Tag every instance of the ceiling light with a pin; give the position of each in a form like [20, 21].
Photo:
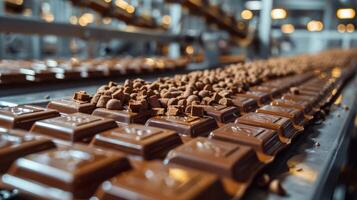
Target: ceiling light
[315, 25]
[246, 14]
[287, 28]
[346, 13]
[279, 13]
[341, 28]
[350, 28]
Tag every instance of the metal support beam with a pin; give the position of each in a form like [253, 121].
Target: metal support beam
[175, 27]
[265, 27]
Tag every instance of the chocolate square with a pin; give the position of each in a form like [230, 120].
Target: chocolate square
[303, 106]
[226, 159]
[68, 105]
[261, 97]
[222, 114]
[296, 115]
[139, 140]
[123, 116]
[24, 116]
[244, 104]
[73, 127]
[186, 125]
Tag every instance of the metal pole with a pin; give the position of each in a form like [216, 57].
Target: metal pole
[175, 27]
[265, 27]
[2, 43]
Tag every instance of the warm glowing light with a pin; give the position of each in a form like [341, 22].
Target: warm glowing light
[346, 13]
[246, 14]
[189, 50]
[279, 13]
[48, 17]
[287, 28]
[121, 4]
[315, 25]
[73, 20]
[17, 2]
[341, 28]
[130, 9]
[108, 1]
[27, 12]
[350, 28]
[89, 17]
[336, 72]
[107, 20]
[166, 19]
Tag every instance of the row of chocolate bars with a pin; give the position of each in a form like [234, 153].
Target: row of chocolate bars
[68, 152]
[22, 71]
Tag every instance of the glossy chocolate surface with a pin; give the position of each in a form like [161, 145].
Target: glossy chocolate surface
[260, 97]
[139, 140]
[74, 172]
[24, 116]
[244, 104]
[222, 114]
[226, 159]
[15, 144]
[301, 105]
[123, 116]
[296, 115]
[68, 105]
[73, 127]
[186, 125]
[155, 180]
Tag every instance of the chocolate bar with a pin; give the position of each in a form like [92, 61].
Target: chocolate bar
[222, 114]
[261, 97]
[9, 75]
[73, 127]
[311, 99]
[155, 180]
[15, 144]
[139, 140]
[123, 116]
[238, 162]
[38, 75]
[296, 115]
[273, 91]
[64, 173]
[244, 104]
[264, 141]
[186, 125]
[24, 116]
[304, 106]
[68, 105]
[283, 125]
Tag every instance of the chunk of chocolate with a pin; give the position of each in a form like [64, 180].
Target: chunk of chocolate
[38, 75]
[244, 104]
[238, 162]
[186, 125]
[68, 105]
[123, 116]
[73, 127]
[139, 140]
[261, 97]
[264, 141]
[303, 106]
[15, 144]
[296, 115]
[174, 182]
[311, 99]
[273, 91]
[222, 114]
[64, 173]
[283, 125]
[24, 116]
[9, 75]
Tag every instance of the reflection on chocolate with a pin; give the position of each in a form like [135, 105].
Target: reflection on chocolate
[294, 114]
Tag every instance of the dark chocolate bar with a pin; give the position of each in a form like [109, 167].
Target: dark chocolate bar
[265, 141]
[123, 116]
[73, 127]
[283, 125]
[296, 115]
[261, 97]
[186, 125]
[238, 162]
[24, 116]
[15, 144]
[139, 140]
[155, 180]
[68, 105]
[301, 105]
[273, 91]
[222, 114]
[64, 173]
[244, 104]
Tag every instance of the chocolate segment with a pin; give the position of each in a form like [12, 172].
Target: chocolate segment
[139, 140]
[294, 114]
[155, 180]
[244, 104]
[273, 91]
[263, 141]
[68, 105]
[222, 114]
[71, 172]
[261, 97]
[15, 144]
[123, 116]
[24, 116]
[283, 125]
[186, 125]
[73, 127]
[301, 105]
[238, 162]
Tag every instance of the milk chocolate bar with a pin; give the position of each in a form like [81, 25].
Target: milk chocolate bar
[301, 105]
[24, 116]
[261, 97]
[64, 173]
[15, 144]
[311, 99]
[155, 180]
[273, 91]
[73, 127]
[222, 114]
[244, 104]
[238, 162]
[264, 141]
[283, 125]
[186, 125]
[296, 115]
[139, 140]
[68, 105]
[123, 116]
